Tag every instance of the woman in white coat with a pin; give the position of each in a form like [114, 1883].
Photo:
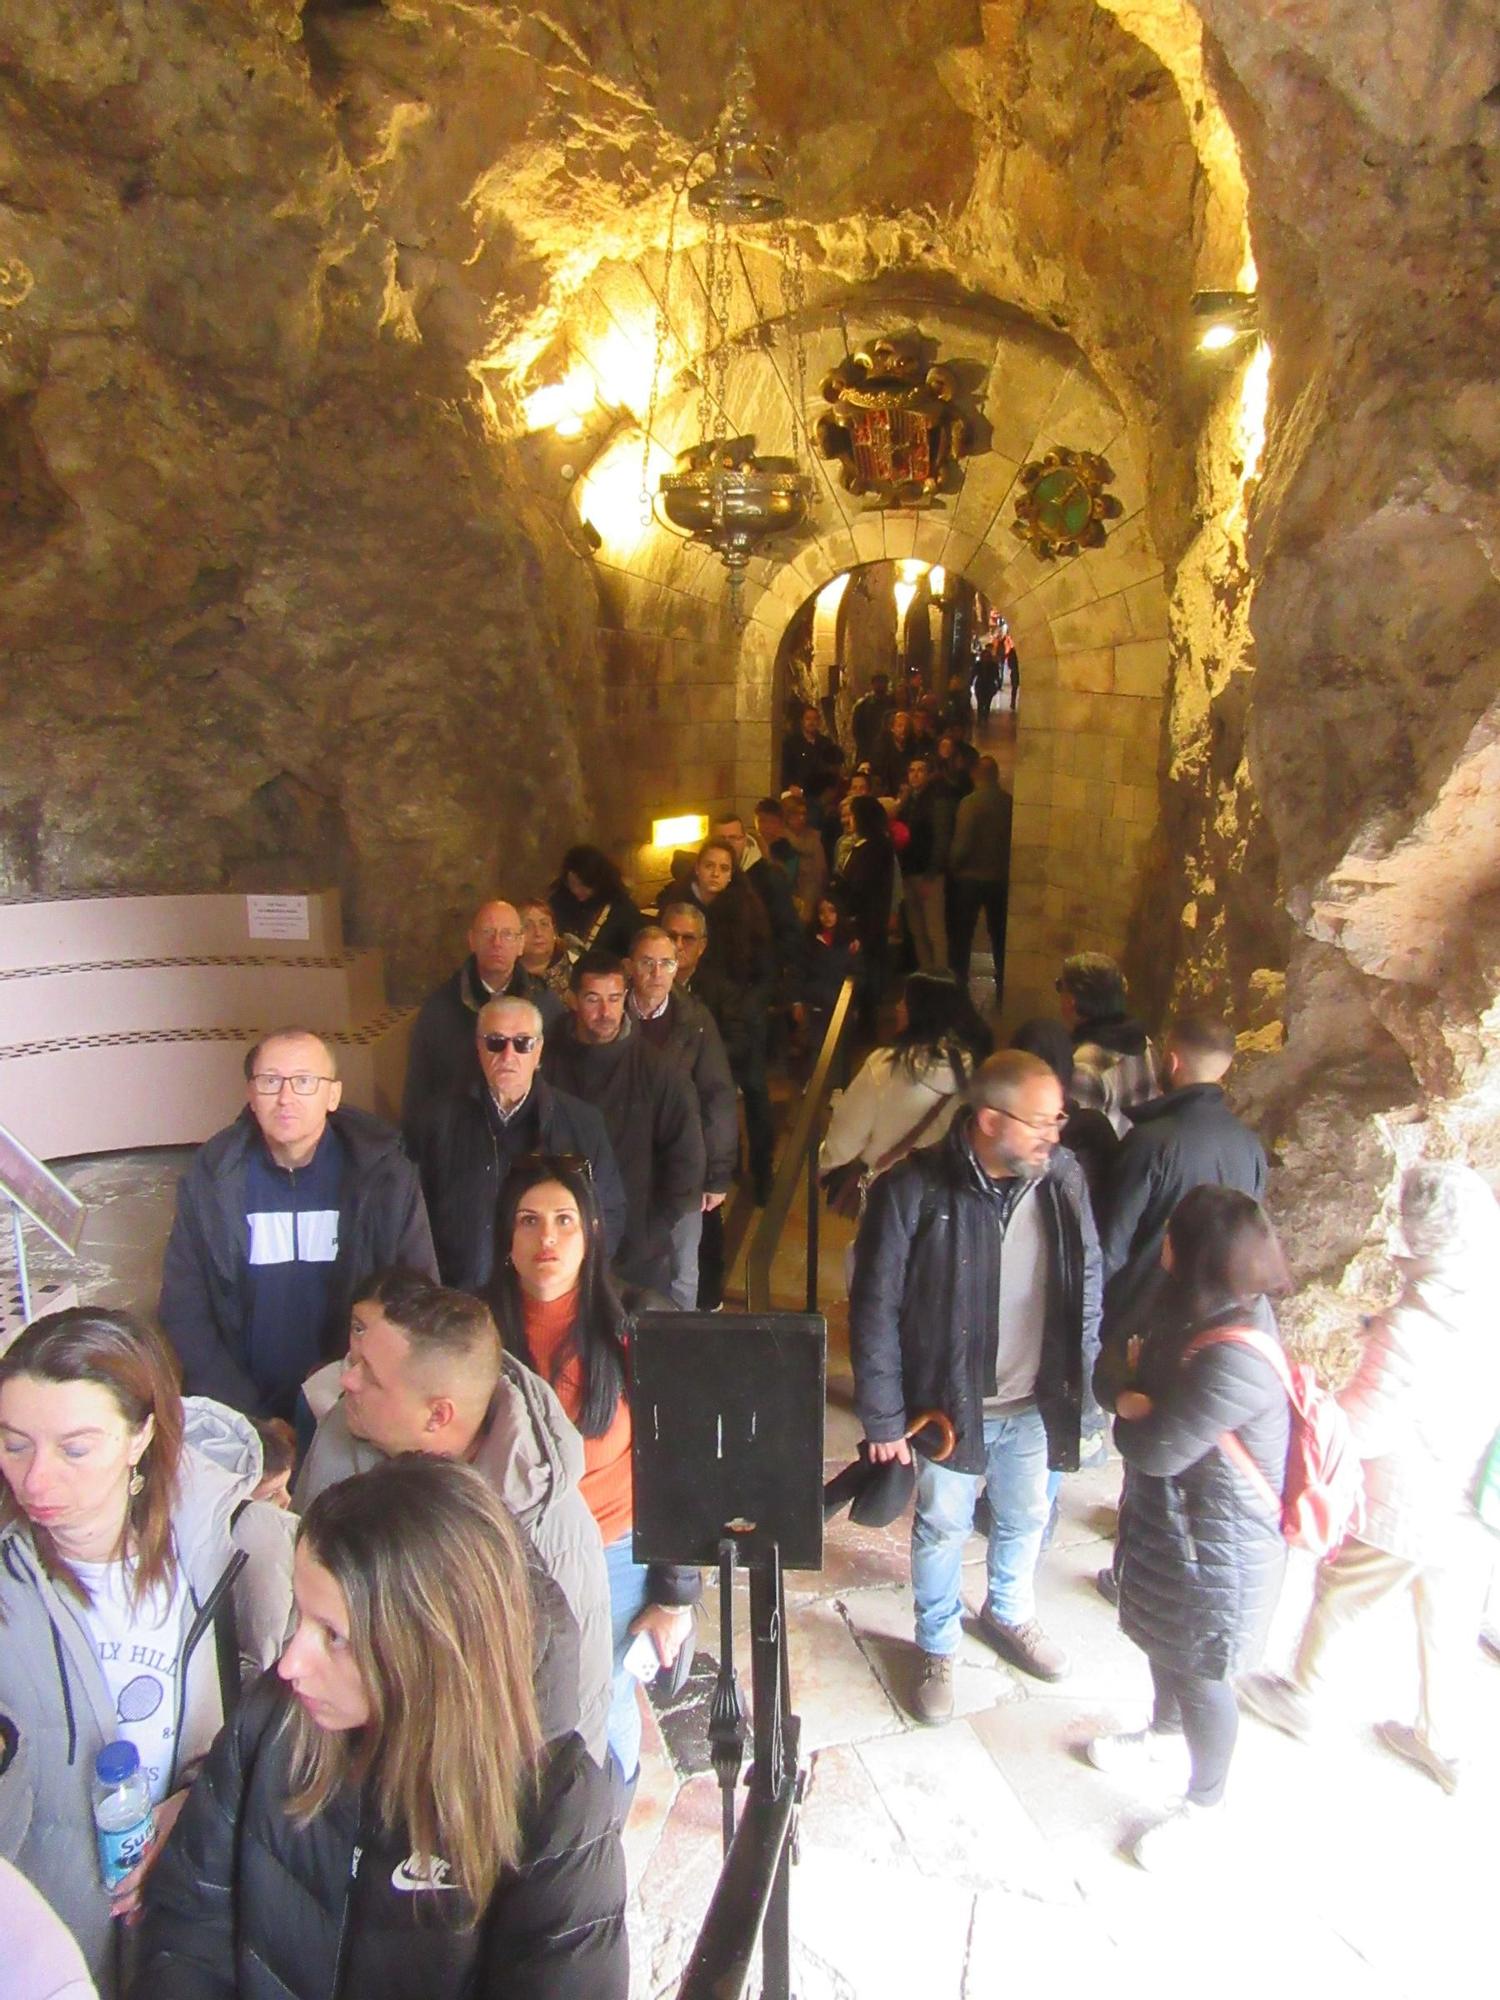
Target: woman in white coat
[908, 1094]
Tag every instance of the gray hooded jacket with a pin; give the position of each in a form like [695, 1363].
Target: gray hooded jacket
[533, 1458]
[54, 1693]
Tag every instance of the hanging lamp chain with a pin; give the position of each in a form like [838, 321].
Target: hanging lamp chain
[659, 360]
[787, 249]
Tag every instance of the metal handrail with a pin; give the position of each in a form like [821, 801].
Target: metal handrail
[800, 1151]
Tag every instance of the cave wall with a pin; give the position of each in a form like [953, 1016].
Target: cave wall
[289, 593]
[273, 614]
[1366, 732]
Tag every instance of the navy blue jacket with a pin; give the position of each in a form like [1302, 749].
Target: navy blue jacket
[1185, 1139]
[205, 1297]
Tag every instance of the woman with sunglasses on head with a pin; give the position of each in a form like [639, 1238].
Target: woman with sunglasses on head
[381, 1821]
[127, 1535]
[559, 1311]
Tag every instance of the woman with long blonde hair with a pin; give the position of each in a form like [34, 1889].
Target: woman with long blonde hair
[381, 1818]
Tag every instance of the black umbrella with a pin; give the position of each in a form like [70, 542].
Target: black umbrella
[875, 1493]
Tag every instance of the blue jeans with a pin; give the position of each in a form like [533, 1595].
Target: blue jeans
[627, 1599]
[1015, 1482]
[687, 1232]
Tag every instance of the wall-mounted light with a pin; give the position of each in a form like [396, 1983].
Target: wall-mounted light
[564, 406]
[937, 580]
[686, 830]
[1224, 320]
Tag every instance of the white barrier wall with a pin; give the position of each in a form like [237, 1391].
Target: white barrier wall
[124, 1021]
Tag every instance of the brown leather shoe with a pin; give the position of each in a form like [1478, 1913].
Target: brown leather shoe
[1026, 1646]
[932, 1703]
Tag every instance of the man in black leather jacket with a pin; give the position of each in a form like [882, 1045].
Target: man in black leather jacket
[976, 1292]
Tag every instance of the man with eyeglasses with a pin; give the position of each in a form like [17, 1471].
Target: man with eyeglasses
[466, 1144]
[440, 1060]
[280, 1218]
[682, 1030]
[650, 1112]
[976, 1292]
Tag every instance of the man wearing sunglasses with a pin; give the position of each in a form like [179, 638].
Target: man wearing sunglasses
[280, 1218]
[440, 1059]
[465, 1144]
[976, 1292]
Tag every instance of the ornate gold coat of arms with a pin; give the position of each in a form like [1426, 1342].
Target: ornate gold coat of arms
[894, 426]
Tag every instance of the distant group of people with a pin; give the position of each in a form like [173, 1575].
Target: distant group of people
[917, 836]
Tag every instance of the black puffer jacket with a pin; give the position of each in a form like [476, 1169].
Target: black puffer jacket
[1201, 1554]
[926, 1299]
[245, 1905]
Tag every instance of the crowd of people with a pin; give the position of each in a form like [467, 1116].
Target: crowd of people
[338, 1560]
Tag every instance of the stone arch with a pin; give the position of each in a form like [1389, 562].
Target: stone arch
[1091, 631]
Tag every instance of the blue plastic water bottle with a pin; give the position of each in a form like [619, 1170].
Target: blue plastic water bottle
[123, 1816]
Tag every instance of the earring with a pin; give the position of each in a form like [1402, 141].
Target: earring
[137, 1483]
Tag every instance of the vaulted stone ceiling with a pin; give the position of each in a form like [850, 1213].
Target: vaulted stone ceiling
[285, 587]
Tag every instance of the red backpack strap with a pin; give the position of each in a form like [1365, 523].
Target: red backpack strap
[1270, 1351]
[1229, 1443]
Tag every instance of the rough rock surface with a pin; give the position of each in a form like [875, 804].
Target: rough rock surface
[285, 593]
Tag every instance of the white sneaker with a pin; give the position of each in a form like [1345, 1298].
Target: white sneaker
[1137, 1750]
[1182, 1840]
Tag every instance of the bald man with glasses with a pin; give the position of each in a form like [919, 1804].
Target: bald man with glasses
[466, 1143]
[976, 1292]
[280, 1219]
[440, 1058]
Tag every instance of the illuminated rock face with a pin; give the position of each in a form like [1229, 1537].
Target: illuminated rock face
[287, 594]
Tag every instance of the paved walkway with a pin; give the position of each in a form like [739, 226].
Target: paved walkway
[987, 1858]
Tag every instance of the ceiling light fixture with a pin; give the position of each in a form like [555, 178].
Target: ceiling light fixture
[725, 495]
[1224, 320]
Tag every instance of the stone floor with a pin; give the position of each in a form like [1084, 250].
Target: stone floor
[958, 1863]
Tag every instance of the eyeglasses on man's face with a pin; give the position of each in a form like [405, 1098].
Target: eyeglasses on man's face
[498, 1044]
[269, 1082]
[662, 964]
[681, 938]
[1053, 1124]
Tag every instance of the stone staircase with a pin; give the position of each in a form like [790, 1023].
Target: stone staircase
[124, 1020]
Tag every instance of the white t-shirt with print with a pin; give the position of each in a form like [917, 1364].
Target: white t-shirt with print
[137, 1647]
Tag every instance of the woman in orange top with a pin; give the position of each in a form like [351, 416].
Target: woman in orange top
[558, 1310]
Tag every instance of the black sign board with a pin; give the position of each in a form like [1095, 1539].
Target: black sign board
[727, 1416]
